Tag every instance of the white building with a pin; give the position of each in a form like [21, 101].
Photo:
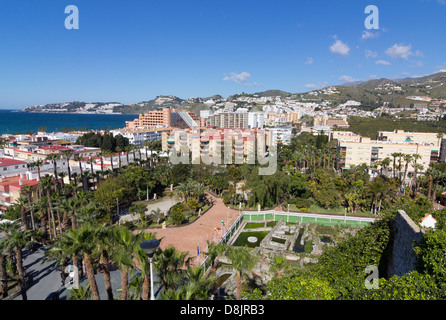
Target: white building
[256, 120]
[428, 221]
[12, 167]
[280, 134]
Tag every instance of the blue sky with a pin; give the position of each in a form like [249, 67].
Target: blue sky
[131, 51]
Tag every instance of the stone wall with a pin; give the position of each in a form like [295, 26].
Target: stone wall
[406, 233]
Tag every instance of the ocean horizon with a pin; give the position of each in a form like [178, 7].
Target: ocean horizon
[14, 122]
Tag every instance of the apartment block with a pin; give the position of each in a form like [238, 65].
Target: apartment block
[11, 189]
[211, 143]
[430, 138]
[228, 120]
[369, 151]
[333, 122]
[137, 136]
[165, 118]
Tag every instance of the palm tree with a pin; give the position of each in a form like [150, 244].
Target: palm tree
[81, 242]
[146, 144]
[385, 164]
[212, 253]
[17, 240]
[57, 253]
[395, 155]
[158, 214]
[110, 154]
[3, 272]
[27, 192]
[73, 205]
[407, 159]
[62, 176]
[74, 175]
[278, 264]
[195, 286]
[68, 154]
[79, 160]
[184, 190]
[54, 157]
[47, 185]
[40, 206]
[119, 150]
[38, 164]
[430, 174]
[79, 293]
[242, 260]
[22, 203]
[416, 167]
[91, 161]
[168, 264]
[127, 150]
[101, 156]
[103, 239]
[124, 246]
[437, 177]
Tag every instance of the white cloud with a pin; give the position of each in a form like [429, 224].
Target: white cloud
[373, 76]
[383, 63]
[241, 78]
[238, 77]
[314, 86]
[368, 35]
[399, 51]
[371, 54]
[340, 48]
[441, 70]
[348, 79]
[309, 61]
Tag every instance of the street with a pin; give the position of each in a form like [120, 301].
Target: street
[45, 275]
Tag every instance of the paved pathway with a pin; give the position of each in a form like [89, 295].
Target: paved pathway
[186, 238]
[45, 276]
[163, 204]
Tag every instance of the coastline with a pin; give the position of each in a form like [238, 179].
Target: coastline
[88, 113]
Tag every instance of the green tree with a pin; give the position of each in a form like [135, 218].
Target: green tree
[169, 264]
[431, 254]
[17, 240]
[242, 261]
[81, 242]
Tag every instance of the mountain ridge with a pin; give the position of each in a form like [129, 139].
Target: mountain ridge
[371, 92]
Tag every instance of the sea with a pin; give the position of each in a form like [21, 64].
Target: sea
[23, 122]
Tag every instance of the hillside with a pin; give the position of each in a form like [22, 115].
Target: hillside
[373, 93]
[377, 91]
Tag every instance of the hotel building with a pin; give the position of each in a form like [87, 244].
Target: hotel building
[211, 142]
[356, 152]
[165, 118]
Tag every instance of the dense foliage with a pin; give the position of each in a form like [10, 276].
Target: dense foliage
[104, 141]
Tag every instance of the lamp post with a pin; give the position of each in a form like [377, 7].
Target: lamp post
[149, 247]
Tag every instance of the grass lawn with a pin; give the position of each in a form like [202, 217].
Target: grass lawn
[315, 208]
[339, 211]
